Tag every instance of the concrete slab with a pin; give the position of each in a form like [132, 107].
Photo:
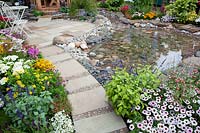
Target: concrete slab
[59, 57]
[70, 68]
[52, 50]
[81, 83]
[88, 100]
[100, 124]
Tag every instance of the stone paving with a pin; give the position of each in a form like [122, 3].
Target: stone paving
[91, 111]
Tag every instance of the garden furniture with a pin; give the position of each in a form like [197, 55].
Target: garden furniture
[14, 16]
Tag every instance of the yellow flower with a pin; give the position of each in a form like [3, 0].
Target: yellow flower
[45, 78]
[30, 92]
[7, 89]
[43, 88]
[20, 83]
[44, 64]
[15, 94]
[17, 76]
[34, 86]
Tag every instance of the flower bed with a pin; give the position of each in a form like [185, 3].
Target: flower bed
[148, 106]
[32, 95]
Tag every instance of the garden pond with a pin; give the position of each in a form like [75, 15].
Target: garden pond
[165, 48]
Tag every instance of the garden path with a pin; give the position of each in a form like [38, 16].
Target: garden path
[91, 111]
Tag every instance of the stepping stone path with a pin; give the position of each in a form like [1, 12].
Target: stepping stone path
[91, 111]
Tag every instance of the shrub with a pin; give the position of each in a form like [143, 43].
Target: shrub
[102, 4]
[37, 13]
[142, 6]
[89, 6]
[184, 84]
[114, 5]
[30, 111]
[183, 10]
[125, 88]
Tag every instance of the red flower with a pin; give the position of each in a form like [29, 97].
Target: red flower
[125, 8]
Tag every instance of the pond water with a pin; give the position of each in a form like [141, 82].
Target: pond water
[146, 46]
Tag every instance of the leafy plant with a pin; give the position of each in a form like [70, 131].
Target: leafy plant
[184, 83]
[183, 10]
[64, 9]
[37, 13]
[142, 6]
[30, 111]
[88, 5]
[114, 5]
[102, 4]
[2, 24]
[125, 88]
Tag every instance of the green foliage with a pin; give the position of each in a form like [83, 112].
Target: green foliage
[37, 13]
[184, 83]
[183, 10]
[143, 6]
[2, 25]
[29, 112]
[102, 4]
[88, 5]
[64, 9]
[4, 119]
[124, 89]
[114, 5]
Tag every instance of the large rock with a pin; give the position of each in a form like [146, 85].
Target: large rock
[197, 54]
[83, 45]
[93, 39]
[59, 40]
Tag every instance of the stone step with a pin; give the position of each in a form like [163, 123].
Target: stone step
[50, 51]
[88, 100]
[81, 84]
[43, 45]
[103, 123]
[70, 69]
[59, 58]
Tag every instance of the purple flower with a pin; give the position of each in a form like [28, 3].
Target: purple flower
[33, 52]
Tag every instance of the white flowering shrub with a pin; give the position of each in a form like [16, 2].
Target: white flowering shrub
[62, 123]
[12, 64]
[164, 114]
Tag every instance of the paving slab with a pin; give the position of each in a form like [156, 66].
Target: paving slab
[81, 84]
[70, 68]
[104, 123]
[59, 58]
[52, 50]
[88, 100]
[45, 44]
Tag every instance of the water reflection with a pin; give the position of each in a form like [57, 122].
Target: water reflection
[146, 46]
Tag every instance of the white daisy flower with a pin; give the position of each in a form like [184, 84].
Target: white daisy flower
[129, 121]
[194, 101]
[194, 123]
[187, 102]
[165, 103]
[183, 111]
[137, 107]
[170, 106]
[131, 127]
[189, 107]
[187, 122]
[189, 130]
[188, 113]
[163, 108]
[176, 109]
[139, 125]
